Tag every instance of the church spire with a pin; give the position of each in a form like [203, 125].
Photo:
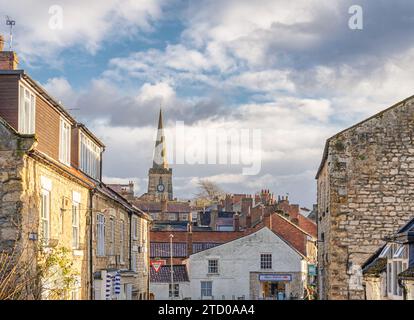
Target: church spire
[160, 154]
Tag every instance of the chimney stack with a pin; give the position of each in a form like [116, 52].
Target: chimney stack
[8, 59]
[249, 219]
[189, 239]
[236, 222]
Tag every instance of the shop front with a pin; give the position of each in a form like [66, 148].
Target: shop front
[275, 286]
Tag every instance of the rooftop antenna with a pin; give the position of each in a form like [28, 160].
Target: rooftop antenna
[11, 23]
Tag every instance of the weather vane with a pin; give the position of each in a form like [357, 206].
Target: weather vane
[11, 23]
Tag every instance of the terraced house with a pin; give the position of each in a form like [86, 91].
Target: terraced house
[64, 229]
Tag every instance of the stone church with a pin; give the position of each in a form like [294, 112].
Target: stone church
[160, 176]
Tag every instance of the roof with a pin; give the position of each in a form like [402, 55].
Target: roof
[162, 249]
[55, 103]
[408, 273]
[172, 206]
[326, 148]
[164, 274]
[257, 231]
[375, 267]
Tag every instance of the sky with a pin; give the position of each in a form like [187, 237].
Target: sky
[293, 70]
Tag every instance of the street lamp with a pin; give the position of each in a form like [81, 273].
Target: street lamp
[171, 267]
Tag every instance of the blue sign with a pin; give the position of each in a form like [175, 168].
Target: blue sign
[311, 269]
[275, 277]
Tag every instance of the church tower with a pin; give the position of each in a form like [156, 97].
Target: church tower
[160, 176]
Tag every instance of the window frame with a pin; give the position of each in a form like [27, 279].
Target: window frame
[65, 129]
[100, 235]
[75, 225]
[206, 287]
[121, 242]
[111, 236]
[265, 262]
[45, 218]
[134, 221]
[89, 156]
[175, 291]
[26, 125]
[213, 266]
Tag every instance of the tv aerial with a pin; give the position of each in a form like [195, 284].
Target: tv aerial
[11, 23]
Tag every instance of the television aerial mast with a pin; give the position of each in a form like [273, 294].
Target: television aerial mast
[11, 23]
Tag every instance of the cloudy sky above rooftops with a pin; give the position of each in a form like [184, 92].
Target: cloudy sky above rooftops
[292, 69]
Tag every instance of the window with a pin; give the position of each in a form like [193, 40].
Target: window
[121, 241]
[75, 225]
[175, 293]
[100, 235]
[45, 211]
[213, 266]
[172, 217]
[64, 142]
[27, 111]
[90, 157]
[134, 227]
[111, 236]
[206, 289]
[266, 261]
[133, 261]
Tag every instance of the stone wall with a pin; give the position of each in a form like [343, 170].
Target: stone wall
[371, 194]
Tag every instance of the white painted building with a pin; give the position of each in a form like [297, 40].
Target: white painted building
[257, 266]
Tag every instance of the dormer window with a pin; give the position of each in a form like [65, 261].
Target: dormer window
[27, 102]
[64, 142]
[90, 157]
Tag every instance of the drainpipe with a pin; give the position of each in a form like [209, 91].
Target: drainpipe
[91, 193]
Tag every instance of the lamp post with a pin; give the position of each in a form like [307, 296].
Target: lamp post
[171, 267]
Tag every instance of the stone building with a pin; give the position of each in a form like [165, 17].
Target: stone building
[365, 193]
[52, 199]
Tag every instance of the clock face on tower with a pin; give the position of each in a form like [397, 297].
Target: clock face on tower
[160, 187]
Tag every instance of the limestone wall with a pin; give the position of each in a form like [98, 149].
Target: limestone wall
[371, 193]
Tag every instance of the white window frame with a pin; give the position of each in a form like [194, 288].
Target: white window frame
[111, 236]
[100, 235]
[64, 141]
[206, 289]
[133, 261]
[45, 216]
[90, 156]
[27, 114]
[134, 222]
[75, 225]
[121, 242]
[213, 266]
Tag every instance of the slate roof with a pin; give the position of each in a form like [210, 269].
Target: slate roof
[162, 249]
[164, 274]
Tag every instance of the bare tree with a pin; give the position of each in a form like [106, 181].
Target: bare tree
[209, 191]
[45, 273]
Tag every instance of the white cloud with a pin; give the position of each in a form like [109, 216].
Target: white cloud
[86, 24]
